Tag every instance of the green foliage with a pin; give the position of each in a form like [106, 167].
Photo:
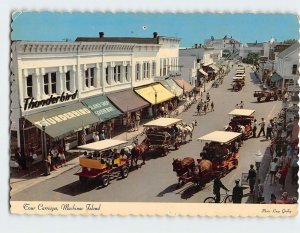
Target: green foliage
[290, 41]
[252, 58]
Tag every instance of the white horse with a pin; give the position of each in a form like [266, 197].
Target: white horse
[186, 130]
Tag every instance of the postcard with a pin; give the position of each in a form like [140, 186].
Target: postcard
[154, 114]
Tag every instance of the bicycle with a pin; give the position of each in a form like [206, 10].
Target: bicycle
[226, 198]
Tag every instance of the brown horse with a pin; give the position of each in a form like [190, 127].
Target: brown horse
[139, 151]
[187, 170]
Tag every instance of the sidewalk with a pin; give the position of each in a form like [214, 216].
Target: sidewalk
[21, 180]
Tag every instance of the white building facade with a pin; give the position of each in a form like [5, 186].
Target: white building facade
[49, 75]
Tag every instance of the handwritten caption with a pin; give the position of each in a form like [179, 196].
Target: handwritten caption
[61, 207]
[276, 211]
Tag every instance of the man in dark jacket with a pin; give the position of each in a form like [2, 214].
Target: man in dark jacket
[237, 193]
[217, 186]
[251, 178]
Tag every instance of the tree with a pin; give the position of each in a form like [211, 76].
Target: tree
[252, 58]
[290, 41]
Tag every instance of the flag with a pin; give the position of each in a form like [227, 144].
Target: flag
[83, 136]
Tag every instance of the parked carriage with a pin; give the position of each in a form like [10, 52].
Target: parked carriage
[104, 164]
[241, 121]
[266, 95]
[161, 134]
[221, 148]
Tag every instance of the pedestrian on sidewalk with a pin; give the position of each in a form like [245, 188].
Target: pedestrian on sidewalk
[207, 96]
[61, 156]
[20, 159]
[283, 172]
[137, 120]
[295, 169]
[236, 106]
[199, 108]
[205, 107]
[237, 192]
[217, 187]
[262, 128]
[212, 106]
[269, 130]
[254, 128]
[273, 170]
[251, 177]
[102, 135]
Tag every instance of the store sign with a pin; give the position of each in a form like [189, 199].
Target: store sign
[30, 103]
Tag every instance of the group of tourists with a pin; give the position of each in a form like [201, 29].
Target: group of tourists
[56, 157]
[105, 132]
[206, 105]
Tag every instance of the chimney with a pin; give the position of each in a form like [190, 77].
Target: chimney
[196, 46]
[200, 45]
[101, 34]
[155, 34]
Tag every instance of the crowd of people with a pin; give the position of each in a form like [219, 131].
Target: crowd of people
[206, 105]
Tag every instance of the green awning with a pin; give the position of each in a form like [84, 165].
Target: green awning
[172, 86]
[275, 77]
[63, 120]
[102, 108]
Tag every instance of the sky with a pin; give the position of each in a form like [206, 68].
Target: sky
[191, 28]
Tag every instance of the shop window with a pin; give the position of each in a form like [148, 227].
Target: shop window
[53, 82]
[294, 71]
[29, 85]
[137, 72]
[46, 84]
[153, 68]
[68, 79]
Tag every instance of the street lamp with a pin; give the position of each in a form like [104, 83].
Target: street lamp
[258, 159]
[44, 147]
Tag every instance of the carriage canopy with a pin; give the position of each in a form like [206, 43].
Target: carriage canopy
[220, 136]
[163, 122]
[237, 78]
[242, 112]
[103, 145]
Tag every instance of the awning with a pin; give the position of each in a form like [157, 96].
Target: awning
[103, 145]
[162, 122]
[102, 108]
[220, 136]
[172, 86]
[127, 101]
[63, 120]
[275, 77]
[154, 94]
[203, 72]
[184, 85]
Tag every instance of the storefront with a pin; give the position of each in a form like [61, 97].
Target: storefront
[214, 70]
[63, 127]
[276, 81]
[201, 78]
[156, 95]
[108, 115]
[171, 85]
[129, 103]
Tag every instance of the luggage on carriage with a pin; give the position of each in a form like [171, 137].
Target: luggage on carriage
[105, 163]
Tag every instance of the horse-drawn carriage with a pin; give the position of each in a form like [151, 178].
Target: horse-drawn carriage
[241, 121]
[221, 148]
[237, 83]
[218, 157]
[266, 95]
[162, 134]
[103, 161]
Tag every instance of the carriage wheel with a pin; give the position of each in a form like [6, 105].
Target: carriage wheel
[104, 180]
[228, 199]
[258, 99]
[210, 200]
[124, 172]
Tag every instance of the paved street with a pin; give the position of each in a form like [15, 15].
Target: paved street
[156, 181]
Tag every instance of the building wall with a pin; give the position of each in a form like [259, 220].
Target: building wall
[188, 67]
[90, 68]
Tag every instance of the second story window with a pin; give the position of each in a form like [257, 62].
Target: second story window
[119, 73]
[46, 84]
[106, 74]
[153, 68]
[86, 78]
[68, 79]
[53, 82]
[89, 77]
[126, 72]
[294, 70]
[137, 72]
[92, 75]
[29, 85]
